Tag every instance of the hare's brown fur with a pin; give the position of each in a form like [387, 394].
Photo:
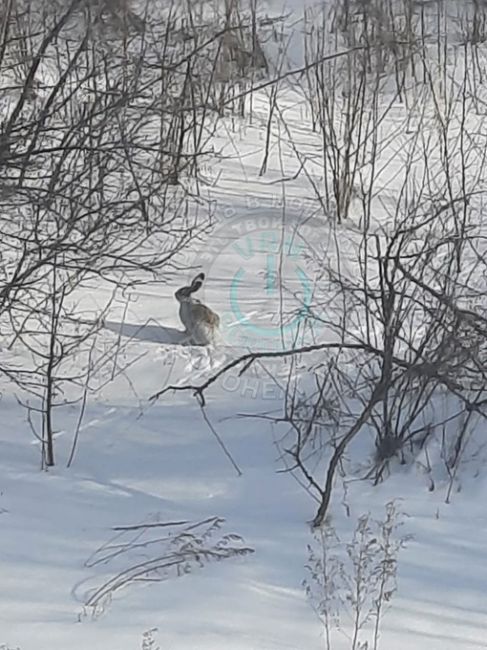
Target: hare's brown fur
[200, 321]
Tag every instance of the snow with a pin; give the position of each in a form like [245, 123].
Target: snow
[143, 461]
[165, 463]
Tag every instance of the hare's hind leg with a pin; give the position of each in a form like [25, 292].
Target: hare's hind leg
[202, 334]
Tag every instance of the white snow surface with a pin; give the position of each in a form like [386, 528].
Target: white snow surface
[141, 461]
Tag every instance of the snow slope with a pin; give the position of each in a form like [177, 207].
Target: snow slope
[141, 461]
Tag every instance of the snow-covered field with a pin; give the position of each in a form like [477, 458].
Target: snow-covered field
[151, 462]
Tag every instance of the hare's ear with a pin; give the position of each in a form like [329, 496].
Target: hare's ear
[184, 292]
[197, 282]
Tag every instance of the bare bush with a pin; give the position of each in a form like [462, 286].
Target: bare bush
[402, 369]
[107, 115]
[149, 640]
[351, 585]
[171, 549]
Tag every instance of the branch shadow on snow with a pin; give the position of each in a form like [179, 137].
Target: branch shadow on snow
[148, 332]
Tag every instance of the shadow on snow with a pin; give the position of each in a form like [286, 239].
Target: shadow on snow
[148, 332]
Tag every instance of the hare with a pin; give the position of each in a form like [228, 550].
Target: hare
[200, 321]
